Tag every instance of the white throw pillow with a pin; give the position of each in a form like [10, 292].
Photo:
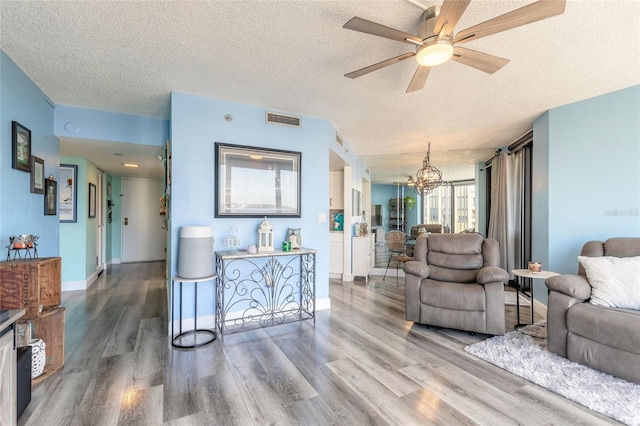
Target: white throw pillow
[615, 281]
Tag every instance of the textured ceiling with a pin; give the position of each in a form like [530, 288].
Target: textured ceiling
[292, 56]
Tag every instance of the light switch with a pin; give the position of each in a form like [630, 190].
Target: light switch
[322, 218]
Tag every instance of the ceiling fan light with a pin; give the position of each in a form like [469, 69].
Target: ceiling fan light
[434, 53]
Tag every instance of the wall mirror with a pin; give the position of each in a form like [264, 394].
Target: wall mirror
[257, 182]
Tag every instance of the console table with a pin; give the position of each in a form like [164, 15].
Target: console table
[264, 289]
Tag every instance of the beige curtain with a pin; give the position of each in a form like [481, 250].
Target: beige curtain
[506, 212]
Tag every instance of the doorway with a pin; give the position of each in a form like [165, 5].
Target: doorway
[143, 238]
[100, 229]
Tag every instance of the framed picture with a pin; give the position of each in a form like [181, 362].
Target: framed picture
[37, 175]
[257, 182]
[92, 200]
[50, 197]
[20, 147]
[68, 196]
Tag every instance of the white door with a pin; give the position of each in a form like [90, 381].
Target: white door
[100, 230]
[143, 238]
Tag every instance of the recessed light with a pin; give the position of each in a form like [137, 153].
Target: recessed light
[130, 165]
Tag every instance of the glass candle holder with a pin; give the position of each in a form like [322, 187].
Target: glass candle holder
[535, 267]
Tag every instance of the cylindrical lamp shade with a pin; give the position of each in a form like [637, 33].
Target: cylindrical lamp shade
[195, 252]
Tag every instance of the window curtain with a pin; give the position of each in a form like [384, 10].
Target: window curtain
[505, 214]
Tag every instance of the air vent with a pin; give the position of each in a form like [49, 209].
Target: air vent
[339, 138]
[285, 120]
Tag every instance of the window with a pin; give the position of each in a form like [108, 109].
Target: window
[453, 204]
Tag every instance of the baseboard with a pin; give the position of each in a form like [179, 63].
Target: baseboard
[335, 275]
[539, 307]
[80, 285]
[115, 261]
[74, 285]
[208, 321]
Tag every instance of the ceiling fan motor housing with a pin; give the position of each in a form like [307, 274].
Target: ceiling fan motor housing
[429, 18]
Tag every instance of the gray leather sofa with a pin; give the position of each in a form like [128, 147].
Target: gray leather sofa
[455, 282]
[606, 339]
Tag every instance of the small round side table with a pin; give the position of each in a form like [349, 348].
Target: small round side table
[525, 273]
[175, 340]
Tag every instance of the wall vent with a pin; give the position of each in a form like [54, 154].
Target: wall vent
[339, 139]
[284, 120]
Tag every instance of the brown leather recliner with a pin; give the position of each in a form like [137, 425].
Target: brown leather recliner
[455, 282]
[603, 338]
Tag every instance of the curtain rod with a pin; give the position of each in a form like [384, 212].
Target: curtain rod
[515, 146]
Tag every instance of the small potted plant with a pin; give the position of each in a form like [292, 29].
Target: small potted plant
[410, 201]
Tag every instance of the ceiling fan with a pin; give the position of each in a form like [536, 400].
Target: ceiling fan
[436, 44]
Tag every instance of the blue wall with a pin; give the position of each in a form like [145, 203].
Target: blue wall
[110, 126]
[22, 212]
[114, 229]
[78, 240]
[586, 176]
[196, 124]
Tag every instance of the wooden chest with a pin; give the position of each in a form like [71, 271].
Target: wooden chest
[32, 284]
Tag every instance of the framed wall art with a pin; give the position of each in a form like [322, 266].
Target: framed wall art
[20, 147]
[257, 182]
[68, 195]
[37, 175]
[50, 197]
[92, 200]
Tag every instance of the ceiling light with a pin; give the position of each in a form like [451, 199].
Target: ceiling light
[134, 165]
[435, 52]
[411, 182]
[428, 178]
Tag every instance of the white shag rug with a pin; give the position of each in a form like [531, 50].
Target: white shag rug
[524, 356]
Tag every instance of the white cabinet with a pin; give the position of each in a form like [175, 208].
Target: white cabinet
[336, 190]
[336, 254]
[361, 257]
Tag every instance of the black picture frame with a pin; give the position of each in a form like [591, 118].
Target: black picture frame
[92, 200]
[20, 147]
[50, 197]
[68, 195]
[257, 182]
[37, 175]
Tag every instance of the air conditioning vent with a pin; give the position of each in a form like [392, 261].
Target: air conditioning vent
[284, 120]
[339, 138]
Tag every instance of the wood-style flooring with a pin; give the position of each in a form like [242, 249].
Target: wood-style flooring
[362, 364]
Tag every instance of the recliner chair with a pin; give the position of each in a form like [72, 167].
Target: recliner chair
[455, 282]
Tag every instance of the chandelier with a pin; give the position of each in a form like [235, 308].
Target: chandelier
[428, 178]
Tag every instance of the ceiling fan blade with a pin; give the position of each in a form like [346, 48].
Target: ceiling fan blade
[370, 68]
[478, 60]
[364, 26]
[542, 9]
[450, 13]
[419, 78]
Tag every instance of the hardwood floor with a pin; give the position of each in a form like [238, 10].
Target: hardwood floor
[361, 364]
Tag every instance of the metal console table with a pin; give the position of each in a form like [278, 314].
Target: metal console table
[264, 289]
[176, 339]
